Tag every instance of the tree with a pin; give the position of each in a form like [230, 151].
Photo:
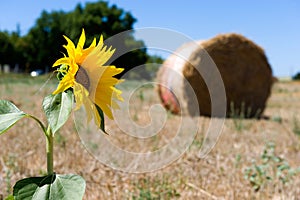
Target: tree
[44, 41]
[19, 45]
[7, 49]
[296, 76]
[100, 18]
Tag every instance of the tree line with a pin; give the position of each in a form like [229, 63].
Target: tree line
[42, 45]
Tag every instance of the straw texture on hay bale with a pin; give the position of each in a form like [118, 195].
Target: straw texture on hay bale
[170, 77]
[245, 71]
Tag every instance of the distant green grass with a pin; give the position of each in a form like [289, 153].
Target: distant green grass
[26, 79]
[22, 86]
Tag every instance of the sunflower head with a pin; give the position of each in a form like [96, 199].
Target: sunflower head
[92, 82]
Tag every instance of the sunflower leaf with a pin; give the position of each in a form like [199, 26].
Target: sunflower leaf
[58, 108]
[101, 114]
[9, 115]
[54, 186]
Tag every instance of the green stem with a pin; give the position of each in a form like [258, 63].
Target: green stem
[49, 145]
[39, 122]
[49, 149]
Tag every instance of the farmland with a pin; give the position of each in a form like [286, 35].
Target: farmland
[222, 174]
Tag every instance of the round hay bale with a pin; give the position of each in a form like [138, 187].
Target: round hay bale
[246, 74]
[170, 77]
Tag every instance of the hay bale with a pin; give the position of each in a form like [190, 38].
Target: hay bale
[170, 77]
[245, 71]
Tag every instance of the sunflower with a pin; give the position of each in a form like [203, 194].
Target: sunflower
[93, 83]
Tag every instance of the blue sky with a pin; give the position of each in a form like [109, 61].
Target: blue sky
[272, 24]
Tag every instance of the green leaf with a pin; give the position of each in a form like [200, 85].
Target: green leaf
[58, 109]
[9, 115]
[102, 124]
[9, 197]
[55, 186]
[283, 167]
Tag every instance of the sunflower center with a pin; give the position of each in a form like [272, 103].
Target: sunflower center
[83, 78]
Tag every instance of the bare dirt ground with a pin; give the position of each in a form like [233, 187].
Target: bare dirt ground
[220, 175]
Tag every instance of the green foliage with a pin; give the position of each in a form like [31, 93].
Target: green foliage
[296, 76]
[54, 186]
[9, 197]
[101, 114]
[12, 167]
[159, 189]
[269, 169]
[6, 50]
[12, 49]
[148, 71]
[8, 181]
[58, 109]
[9, 115]
[42, 45]
[277, 119]
[296, 127]
[239, 117]
[44, 40]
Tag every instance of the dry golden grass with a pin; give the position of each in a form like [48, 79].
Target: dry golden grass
[219, 176]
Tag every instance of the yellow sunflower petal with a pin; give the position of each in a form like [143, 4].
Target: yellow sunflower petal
[65, 83]
[78, 94]
[112, 71]
[93, 44]
[73, 69]
[106, 104]
[101, 88]
[106, 110]
[103, 91]
[89, 108]
[100, 40]
[114, 105]
[117, 94]
[102, 55]
[97, 118]
[84, 54]
[81, 53]
[62, 61]
[70, 47]
[82, 97]
[81, 41]
[104, 99]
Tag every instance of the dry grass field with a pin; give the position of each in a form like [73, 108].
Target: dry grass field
[220, 175]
